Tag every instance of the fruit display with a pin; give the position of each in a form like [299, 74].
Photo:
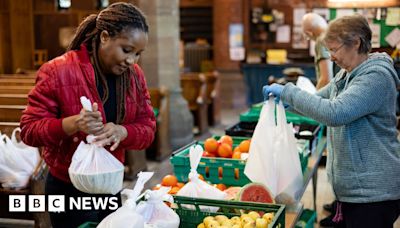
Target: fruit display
[231, 213]
[226, 147]
[172, 181]
[219, 163]
[246, 220]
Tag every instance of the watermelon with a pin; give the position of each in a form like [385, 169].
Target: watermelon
[232, 192]
[255, 192]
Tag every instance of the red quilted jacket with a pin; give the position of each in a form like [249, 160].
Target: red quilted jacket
[59, 85]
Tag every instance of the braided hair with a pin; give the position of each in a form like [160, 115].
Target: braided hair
[114, 19]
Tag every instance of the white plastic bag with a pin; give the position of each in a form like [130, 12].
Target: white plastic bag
[93, 169]
[155, 212]
[197, 188]
[290, 180]
[305, 84]
[126, 216]
[17, 163]
[273, 156]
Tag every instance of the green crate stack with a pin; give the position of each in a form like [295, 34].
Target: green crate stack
[232, 169]
[192, 217]
[253, 114]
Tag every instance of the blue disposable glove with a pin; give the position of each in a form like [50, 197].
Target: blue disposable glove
[274, 89]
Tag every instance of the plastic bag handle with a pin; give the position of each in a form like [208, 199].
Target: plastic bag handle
[13, 138]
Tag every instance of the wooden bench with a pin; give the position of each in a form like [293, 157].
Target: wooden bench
[160, 148]
[22, 89]
[212, 97]
[194, 91]
[17, 81]
[11, 113]
[13, 99]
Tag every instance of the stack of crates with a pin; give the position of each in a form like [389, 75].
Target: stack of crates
[217, 170]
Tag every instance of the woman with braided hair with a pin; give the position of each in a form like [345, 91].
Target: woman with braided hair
[101, 64]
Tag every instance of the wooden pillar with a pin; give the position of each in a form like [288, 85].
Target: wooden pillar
[21, 34]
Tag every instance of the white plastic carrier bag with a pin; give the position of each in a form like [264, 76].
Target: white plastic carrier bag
[17, 162]
[94, 169]
[273, 157]
[155, 212]
[126, 216]
[196, 187]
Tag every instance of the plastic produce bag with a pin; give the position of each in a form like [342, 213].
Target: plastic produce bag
[197, 188]
[273, 156]
[126, 216]
[95, 170]
[155, 212]
[305, 84]
[17, 163]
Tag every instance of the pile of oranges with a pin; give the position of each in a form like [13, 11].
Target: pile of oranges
[172, 181]
[223, 147]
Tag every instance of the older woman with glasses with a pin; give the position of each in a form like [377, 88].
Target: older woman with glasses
[359, 108]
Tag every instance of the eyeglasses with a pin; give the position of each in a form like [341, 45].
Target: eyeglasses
[333, 52]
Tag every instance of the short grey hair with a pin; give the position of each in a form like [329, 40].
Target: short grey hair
[349, 29]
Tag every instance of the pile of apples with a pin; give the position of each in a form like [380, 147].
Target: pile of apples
[223, 148]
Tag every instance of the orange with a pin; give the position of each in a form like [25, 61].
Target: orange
[244, 146]
[225, 150]
[236, 155]
[180, 184]
[211, 145]
[236, 149]
[226, 139]
[169, 180]
[221, 187]
[236, 173]
[208, 154]
[201, 177]
[220, 170]
[174, 190]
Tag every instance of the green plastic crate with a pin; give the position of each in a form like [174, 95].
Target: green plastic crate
[181, 165]
[253, 115]
[156, 111]
[232, 169]
[192, 217]
[307, 219]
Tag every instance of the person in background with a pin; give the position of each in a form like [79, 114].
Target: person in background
[314, 26]
[359, 108]
[101, 64]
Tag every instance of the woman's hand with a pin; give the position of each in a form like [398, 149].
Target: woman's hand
[112, 134]
[90, 122]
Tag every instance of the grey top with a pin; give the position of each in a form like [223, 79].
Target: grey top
[359, 109]
[321, 52]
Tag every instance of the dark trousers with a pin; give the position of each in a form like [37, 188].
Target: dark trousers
[370, 215]
[73, 218]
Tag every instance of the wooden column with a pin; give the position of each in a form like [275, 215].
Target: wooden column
[21, 34]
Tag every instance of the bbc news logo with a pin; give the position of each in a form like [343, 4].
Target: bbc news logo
[57, 203]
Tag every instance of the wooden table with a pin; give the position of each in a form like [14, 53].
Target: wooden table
[293, 212]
